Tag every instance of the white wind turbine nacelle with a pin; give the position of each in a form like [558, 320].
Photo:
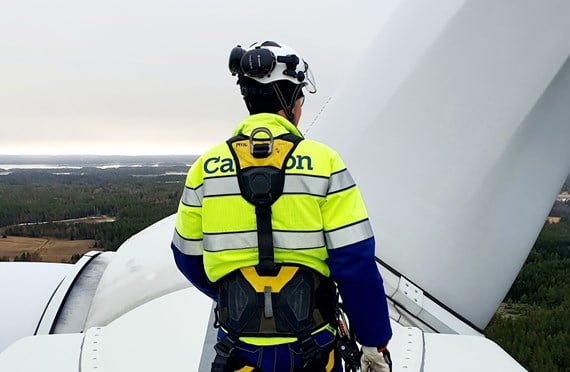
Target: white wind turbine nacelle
[455, 126]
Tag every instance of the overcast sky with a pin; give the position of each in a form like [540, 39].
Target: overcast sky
[147, 77]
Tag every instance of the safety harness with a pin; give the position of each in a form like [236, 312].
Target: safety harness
[270, 299]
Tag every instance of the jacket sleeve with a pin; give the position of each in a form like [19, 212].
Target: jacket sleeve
[351, 248]
[187, 240]
[193, 269]
[360, 285]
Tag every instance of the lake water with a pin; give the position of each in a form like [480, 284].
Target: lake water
[37, 166]
[11, 162]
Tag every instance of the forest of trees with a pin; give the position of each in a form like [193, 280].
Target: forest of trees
[39, 196]
[533, 324]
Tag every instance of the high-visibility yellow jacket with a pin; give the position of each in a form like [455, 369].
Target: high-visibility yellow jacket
[319, 216]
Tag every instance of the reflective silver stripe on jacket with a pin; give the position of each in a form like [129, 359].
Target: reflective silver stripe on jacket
[193, 197]
[302, 184]
[294, 184]
[220, 186]
[281, 239]
[191, 247]
[340, 181]
[349, 234]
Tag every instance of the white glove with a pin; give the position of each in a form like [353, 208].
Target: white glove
[373, 360]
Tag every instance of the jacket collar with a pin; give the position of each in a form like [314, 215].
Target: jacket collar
[276, 124]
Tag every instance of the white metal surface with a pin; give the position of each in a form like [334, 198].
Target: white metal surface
[52, 309]
[168, 333]
[142, 269]
[410, 307]
[25, 290]
[466, 354]
[164, 334]
[72, 314]
[455, 126]
[406, 348]
[410, 296]
[49, 353]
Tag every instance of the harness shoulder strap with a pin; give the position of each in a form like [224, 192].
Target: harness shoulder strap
[260, 164]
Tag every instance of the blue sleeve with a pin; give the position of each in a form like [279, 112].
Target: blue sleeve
[193, 269]
[354, 270]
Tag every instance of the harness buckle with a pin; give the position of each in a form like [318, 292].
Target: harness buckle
[264, 149]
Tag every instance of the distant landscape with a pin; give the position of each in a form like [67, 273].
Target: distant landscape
[17, 248]
[54, 209]
[87, 161]
[67, 205]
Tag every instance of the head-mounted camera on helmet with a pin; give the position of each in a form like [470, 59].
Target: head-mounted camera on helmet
[268, 62]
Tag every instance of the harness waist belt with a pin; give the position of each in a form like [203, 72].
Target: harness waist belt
[296, 301]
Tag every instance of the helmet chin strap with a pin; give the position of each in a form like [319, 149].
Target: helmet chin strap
[287, 108]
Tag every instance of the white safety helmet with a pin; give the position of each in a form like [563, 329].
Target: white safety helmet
[268, 61]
